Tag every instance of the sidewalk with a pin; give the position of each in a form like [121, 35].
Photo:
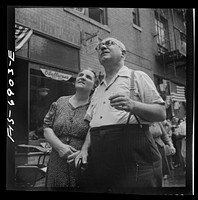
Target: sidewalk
[177, 178]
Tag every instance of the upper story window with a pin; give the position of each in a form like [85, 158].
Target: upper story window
[136, 16]
[182, 43]
[97, 14]
[161, 27]
[80, 10]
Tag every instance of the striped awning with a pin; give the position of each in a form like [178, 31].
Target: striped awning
[22, 35]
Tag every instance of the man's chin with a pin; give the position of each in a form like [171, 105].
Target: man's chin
[104, 59]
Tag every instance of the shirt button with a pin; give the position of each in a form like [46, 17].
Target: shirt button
[100, 117]
[104, 102]
[67, 139]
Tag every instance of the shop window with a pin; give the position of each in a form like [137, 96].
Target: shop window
[48, 73]
[161, 27]
[43, 91]
[136, 16]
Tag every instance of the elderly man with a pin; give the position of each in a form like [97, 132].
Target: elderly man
[119, 148]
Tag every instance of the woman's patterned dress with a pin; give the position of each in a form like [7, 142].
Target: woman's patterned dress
[70, 127]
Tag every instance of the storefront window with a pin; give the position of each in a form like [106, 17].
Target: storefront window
[43, 91]
[51, 68]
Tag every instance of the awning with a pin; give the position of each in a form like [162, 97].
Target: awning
[22, 35]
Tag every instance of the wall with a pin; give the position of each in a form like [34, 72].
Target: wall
[66, 25]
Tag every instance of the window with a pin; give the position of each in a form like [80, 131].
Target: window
[43, 91]
[161, 27]
[80, 10]
[97, 14]
[136, 16]
[183, 43]
[48, 73]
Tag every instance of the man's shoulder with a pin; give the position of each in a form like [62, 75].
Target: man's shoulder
[138, 74]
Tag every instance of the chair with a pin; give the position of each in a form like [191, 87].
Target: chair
[27, 175]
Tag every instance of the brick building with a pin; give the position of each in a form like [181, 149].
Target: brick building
[61, 41]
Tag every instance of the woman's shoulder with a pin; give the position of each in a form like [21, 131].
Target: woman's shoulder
[63, 99]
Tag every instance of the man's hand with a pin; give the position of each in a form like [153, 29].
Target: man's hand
[83, 154]
[122, 102]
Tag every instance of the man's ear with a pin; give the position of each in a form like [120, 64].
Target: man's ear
[124, 53]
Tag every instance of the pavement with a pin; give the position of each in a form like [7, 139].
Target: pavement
[177, 178]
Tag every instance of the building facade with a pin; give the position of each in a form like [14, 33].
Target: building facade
[61, 41]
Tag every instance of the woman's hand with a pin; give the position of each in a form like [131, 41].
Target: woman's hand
[72, 156]
[66, 150]
[173, 150]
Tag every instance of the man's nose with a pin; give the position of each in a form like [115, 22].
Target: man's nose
[83, 78]
[103, 46]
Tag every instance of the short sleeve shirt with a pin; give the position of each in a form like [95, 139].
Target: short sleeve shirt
[101, 113]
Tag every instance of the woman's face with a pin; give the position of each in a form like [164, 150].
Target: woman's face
[85, 80]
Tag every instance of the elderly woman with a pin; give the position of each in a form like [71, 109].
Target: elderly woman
[65, 130]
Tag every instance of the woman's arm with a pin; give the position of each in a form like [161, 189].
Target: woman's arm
[166, 139]
[55, 142]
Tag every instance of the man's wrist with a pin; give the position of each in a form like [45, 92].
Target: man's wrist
[133, 108]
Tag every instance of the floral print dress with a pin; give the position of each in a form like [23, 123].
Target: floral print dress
[70, 127]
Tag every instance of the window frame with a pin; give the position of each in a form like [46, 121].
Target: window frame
[162, 33]
[103, 18]
[136, 17]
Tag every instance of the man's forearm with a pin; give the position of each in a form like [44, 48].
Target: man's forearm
[150, 112]
[87, 142]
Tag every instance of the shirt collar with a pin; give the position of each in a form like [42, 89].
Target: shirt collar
[124, 72]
